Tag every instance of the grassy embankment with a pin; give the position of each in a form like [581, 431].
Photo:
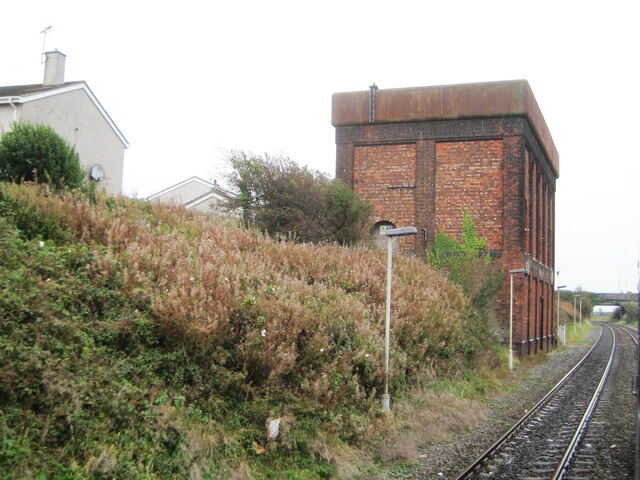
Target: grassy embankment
[144, 341]
[575, 332]
[581, 333]
[629, 320]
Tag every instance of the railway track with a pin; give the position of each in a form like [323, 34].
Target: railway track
[606, 447]
[555, 439]
[631, 331]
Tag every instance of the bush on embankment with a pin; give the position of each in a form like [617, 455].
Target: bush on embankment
[146, 341]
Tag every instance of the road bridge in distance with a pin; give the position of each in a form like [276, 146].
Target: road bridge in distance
[621, 300]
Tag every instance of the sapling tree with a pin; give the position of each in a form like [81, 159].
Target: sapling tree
[467, 262]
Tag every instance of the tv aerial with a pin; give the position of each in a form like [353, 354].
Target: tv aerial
[44, 39]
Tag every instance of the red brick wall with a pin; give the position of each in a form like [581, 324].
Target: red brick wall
[493, 167]
[538, 244]
[469, 177]
[385, 176]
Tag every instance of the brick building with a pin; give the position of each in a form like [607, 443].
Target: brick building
[422, 156]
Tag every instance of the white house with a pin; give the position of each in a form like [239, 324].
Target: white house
[195, 193]
[75, 113]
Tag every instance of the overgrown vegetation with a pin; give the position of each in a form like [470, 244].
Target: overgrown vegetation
[579, 333]
[149, 342]
[279, 197]
[467, 263]
[36, 153]
[581, 299]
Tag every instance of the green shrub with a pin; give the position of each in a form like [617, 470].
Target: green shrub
[283, 199]
[31, 222]
[467, 263]
[36, 153]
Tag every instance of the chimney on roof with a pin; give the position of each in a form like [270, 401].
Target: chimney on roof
[54, 68]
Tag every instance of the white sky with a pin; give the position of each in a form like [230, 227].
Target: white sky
[187, 81]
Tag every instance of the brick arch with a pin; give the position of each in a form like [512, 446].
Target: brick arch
[376, 232]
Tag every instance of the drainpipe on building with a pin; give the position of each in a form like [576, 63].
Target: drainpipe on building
[373, 89]
[15, 110]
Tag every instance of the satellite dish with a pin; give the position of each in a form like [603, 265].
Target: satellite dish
[96, 172]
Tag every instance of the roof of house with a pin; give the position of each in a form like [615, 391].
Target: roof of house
[21, 90]
[445, 102]
[203, 199]
[215, 190]
[16, 94]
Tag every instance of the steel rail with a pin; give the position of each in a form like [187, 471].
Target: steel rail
[526, 417]
[571, 448]
[632, 332]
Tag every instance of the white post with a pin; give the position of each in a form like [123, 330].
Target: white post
[559, 287]
[390, 233]
[511, 323]
[580, 311]
[574, 314]
[558, 302]
[558, 313]
[387, 327]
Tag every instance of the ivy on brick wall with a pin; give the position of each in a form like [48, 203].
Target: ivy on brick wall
[468, 263]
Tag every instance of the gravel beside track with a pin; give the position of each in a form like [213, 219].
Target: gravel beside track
[607, 450]
[447, 460]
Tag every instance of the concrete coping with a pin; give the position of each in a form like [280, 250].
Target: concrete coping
[447, 102]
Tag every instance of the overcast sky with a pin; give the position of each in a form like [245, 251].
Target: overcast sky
[186, 82]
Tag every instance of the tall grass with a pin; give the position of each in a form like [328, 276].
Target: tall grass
[228, 327]
[579, 333]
